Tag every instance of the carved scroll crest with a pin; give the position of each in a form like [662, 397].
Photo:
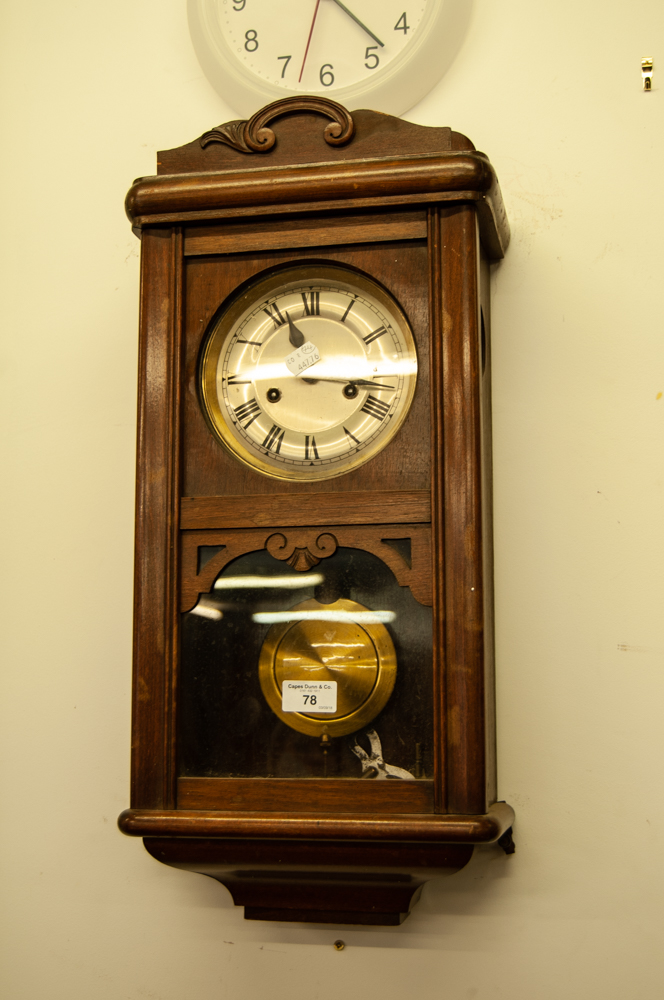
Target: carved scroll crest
[317, 546]
[254, 136]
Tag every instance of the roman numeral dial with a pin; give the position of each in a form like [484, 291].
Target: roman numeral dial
[275, 314]
[273, 439]
[310, 450]
[249, 411]
[311, 303]
[309, 373]
[376, 408]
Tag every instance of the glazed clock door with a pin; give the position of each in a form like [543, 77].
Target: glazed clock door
[306, 646]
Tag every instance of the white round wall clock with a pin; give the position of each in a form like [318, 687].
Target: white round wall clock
[382, 54]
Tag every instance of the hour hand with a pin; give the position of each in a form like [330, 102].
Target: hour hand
[295, 336]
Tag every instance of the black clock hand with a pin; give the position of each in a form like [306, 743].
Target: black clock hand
[347, 381]
[295, 336]
[357, 21]
[366, 381]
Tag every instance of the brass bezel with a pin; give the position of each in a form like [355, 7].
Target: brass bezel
[379, 696]
[221, 328]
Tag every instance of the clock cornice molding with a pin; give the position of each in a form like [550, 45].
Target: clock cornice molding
[205, 182]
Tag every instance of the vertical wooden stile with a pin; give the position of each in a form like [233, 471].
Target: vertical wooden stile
[175, 479]
[154, 523]
[437, 505]
[464, 610]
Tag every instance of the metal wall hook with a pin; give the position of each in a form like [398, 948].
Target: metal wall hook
[646, 73]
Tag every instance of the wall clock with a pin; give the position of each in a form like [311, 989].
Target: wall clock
[386, 54]
[313, 707]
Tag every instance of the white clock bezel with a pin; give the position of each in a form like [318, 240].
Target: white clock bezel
[394, 89]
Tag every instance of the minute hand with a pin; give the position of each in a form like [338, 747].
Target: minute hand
[354, 381]
[357, 21]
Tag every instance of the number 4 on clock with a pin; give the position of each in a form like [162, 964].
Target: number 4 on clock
[401, 24]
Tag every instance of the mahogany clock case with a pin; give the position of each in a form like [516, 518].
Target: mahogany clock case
[418, 211]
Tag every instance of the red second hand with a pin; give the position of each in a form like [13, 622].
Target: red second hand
[306, 51]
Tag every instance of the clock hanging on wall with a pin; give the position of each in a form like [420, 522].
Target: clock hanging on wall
[313, 679]
[386, 54]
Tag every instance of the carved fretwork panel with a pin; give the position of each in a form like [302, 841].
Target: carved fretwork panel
[406, 549]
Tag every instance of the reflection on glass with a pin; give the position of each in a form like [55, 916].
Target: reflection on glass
[349, 624]
[260, 582]
[366, 617]
[207, 608]
[338, 368]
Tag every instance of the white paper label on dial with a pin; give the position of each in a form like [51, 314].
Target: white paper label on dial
[309, 696]
[301, 359]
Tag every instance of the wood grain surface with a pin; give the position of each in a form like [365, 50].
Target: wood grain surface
[316, 882]
[284, 509]
[299, 856]
[157, 517]
[281, 233]
[450, 829]
[461, 562]
[392, 180]
[300, 139]
[305, 795]
[255, 184]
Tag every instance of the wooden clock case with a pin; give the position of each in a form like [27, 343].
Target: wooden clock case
[420, 210]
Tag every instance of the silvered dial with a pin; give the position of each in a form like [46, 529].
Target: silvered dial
[310, 373]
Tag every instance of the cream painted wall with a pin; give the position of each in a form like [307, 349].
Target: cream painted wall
[551, 91]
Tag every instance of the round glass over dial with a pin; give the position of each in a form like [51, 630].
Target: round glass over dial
[309, 373]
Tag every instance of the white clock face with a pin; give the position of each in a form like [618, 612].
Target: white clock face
[384, 54]
[309, 374]
[341, 45]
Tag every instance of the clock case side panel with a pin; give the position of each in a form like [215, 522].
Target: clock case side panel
[461, 514]
[157, 520]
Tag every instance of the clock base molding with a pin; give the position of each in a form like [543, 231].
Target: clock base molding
[355, 880]
[324, 883]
